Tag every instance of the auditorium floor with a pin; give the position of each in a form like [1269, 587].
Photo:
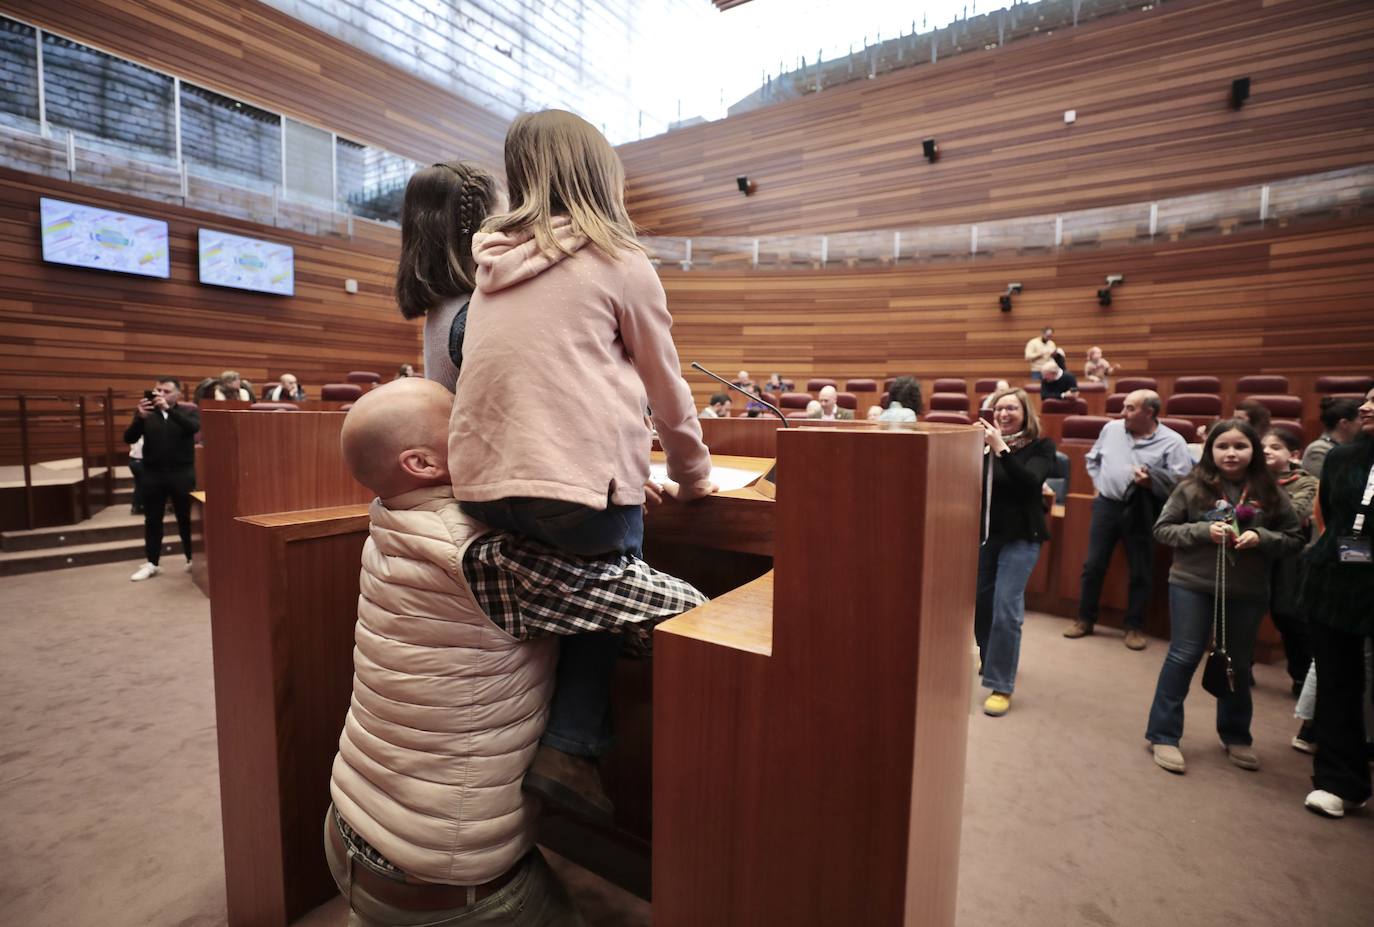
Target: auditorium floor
[110, 805]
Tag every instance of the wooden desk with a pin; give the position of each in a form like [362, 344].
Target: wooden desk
[868, 664]
[200, 564]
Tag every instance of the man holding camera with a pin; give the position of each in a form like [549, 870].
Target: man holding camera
[169, 467]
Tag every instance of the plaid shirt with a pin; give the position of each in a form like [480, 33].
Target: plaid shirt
[529, 590]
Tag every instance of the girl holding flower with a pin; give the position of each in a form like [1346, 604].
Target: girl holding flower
[1231, 501]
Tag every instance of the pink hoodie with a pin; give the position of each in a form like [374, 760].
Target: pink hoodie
[561, 356]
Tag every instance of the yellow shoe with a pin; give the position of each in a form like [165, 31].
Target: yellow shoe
[997, 704]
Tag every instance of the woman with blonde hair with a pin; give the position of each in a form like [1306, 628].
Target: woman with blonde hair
[568, 341]
[1020, 460]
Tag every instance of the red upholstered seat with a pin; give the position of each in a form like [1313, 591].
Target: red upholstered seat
[885, 399]
[1291, 426]
[1098, 387]
[1083, 427]
[340, 392]
[948, 402]
[275, 407]
[861, 386]
[1130, 384]
[1264, 383]
[1033, 388]
[1343, 384]
[1280, 406]
[363, 376]
[1062, 406]
[815, 386]
[847, 401]
[985, 385]
[1116, 402]
[1182, 426]
[947, 418]
[950, 385]
[794, 401]
[1193, 404]
[1195, 385]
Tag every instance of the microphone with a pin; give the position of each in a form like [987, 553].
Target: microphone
[739, 389]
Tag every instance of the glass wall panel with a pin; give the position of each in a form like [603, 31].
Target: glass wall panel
[372, 182]
[309, 164]
[225, 139]
[112, 105]
[18, 75]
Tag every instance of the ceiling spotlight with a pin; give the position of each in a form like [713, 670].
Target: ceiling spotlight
[1240, 92]
[1004, 301]
[1104, 295]
[931, 149]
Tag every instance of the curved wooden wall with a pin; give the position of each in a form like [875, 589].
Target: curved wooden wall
[254, 53]
[1151, 91]
[1297, 302]
[71, 329]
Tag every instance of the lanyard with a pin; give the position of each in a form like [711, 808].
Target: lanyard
[1364, 503]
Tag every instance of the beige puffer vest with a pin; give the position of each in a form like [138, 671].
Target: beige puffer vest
[447, 708]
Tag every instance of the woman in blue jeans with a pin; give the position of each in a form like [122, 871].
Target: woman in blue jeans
[1020, 460]
[1230, 503]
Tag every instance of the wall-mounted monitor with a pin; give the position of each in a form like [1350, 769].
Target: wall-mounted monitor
[92, 236]
[247, 263]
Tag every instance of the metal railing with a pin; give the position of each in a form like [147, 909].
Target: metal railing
[53, 413]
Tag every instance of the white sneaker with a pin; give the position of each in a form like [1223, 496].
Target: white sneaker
[1329, 805]
[147, 571]
[188, 566]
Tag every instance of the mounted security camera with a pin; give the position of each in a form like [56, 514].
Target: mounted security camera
[1013, 288]
[1114, 279]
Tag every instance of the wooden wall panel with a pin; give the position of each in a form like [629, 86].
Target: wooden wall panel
[250, 51]
[71, 329]
[1151, 93]
[1297, 302]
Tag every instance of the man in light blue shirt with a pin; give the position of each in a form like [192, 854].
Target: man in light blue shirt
[1134, 465]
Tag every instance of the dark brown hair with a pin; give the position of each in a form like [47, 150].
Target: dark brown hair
[444, 205]
[1258, 414]
[1258, 479]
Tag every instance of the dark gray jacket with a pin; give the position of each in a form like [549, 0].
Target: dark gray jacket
[1183, 525]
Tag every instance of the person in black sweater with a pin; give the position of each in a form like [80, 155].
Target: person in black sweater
[169, 467]
[1020, 460]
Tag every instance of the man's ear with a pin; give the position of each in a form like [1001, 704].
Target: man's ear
[420, 463]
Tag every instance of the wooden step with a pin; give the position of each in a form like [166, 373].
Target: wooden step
[37, 561]
[112, 524]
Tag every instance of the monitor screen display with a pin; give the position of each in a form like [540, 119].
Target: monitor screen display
[247, 263]
[92, 236]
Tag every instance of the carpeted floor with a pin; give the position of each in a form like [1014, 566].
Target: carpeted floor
[109, 803]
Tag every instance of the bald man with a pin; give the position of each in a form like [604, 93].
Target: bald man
[1134, 465]
[454, 669]
[829, 399]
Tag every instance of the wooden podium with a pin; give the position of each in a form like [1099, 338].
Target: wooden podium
[794, 752]
[810, 727]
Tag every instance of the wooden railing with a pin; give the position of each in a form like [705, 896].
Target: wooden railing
[44, 426]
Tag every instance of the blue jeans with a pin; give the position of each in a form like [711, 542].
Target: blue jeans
[1190, 623]
[1004, 568]
[580, 713]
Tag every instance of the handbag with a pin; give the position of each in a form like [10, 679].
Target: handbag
[1219, 672]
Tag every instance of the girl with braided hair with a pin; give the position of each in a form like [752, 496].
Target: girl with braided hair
[445, 204]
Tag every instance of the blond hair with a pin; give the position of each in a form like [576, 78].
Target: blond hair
[1031, 425]
[557, 164]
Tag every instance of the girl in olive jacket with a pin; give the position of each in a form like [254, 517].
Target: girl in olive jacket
[1229, 501]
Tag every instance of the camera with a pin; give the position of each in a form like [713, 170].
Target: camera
[149, 395]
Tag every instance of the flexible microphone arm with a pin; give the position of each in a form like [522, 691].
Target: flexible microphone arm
[759, 399]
